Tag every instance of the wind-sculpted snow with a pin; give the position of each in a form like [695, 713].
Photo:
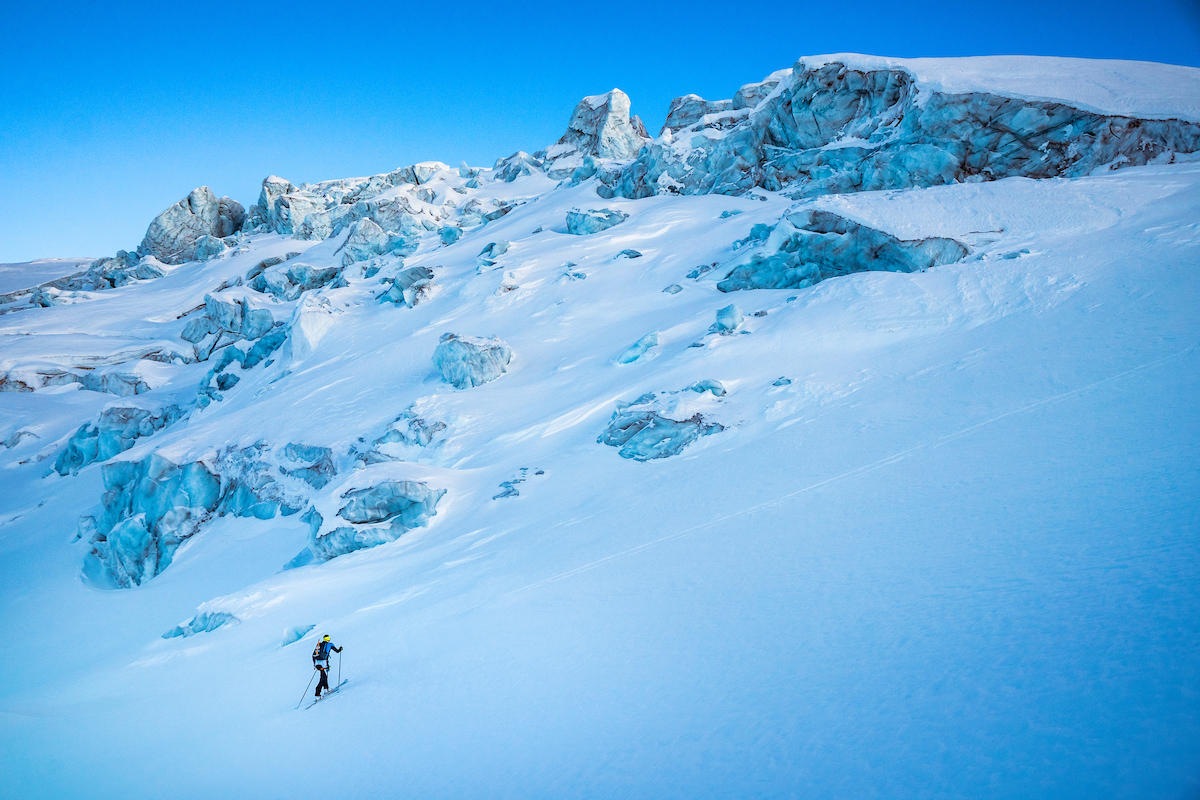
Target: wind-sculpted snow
[661, 425]
[807, 247]
[470, 361]
[832, 129]
[175, 234]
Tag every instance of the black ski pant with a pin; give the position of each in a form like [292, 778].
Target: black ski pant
[324, 682]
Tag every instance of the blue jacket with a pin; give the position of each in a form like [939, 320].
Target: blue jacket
[321, 653]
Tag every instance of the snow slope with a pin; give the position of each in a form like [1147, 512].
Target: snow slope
[24, 274]
[945, 544]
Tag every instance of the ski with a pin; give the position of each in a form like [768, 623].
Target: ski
[327, 693]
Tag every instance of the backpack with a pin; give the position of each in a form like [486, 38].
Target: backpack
[321, 651]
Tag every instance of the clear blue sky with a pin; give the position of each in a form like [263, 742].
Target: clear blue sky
[109, 112]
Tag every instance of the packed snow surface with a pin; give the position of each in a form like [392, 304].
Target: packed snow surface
[919, 520]
[25, 274]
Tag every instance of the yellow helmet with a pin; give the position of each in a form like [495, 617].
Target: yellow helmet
[326, 639]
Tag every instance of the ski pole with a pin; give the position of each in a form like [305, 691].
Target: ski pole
[339, 683]
[310, 680]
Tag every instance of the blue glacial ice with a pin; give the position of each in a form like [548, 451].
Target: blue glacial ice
[102, 274]
[832, 129]
[409, 287]
[366, 240]
[638, 349]
[409, 502]
[582, 223]
[153, 505]
[312, 464]
[686, 111]
[377, 515]
[225, 320]
[470, 361]
[192, 228]
[600, 129]
[294, 634]
[713, 387]
[402, 439]
[203, 622]
[729, 319]
[149, 508]
[290, 281]
[661, 425]
[115, 431]
[807, 247]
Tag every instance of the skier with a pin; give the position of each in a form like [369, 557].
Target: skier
[321, 661]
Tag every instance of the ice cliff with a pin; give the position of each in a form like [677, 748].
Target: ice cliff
[826, 128]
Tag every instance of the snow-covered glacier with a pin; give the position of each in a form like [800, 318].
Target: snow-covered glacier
[837, 440]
